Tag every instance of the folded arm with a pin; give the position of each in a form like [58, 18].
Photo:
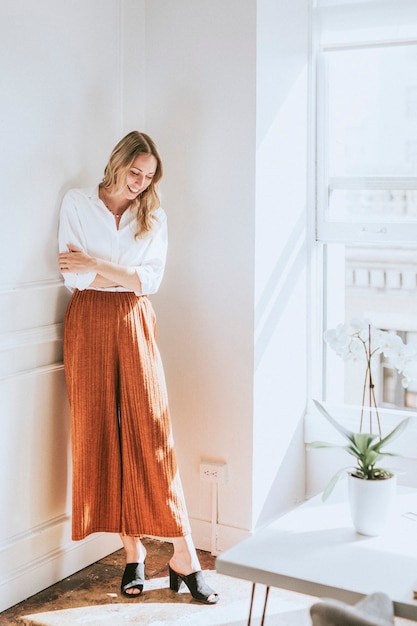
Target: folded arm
[108, 274]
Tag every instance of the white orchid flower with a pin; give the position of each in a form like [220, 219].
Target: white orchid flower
[361, 341]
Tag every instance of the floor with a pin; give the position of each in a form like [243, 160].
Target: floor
[98, 588]
[95, 584]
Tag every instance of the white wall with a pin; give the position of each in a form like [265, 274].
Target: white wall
[201, 96]
[281, 257]
[61, 112]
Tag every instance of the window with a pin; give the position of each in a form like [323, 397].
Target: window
[392, 393]
[366, 180]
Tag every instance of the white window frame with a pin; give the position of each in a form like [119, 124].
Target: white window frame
[323, 230]
[368, 230]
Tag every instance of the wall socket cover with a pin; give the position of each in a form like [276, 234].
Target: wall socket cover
[213, 472]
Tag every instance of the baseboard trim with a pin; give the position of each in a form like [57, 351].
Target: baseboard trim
[225, 537]
[17, 585]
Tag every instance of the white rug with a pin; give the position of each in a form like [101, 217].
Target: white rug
[159, 606]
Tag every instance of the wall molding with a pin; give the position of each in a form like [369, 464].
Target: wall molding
[53, 563]
[36, 371]
[40, 528]
[30, 336]
[38, 284]
[31, 351]
[33, 309]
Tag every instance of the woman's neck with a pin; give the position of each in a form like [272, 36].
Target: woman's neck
[116, 205]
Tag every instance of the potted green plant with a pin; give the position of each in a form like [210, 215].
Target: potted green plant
[359, 340]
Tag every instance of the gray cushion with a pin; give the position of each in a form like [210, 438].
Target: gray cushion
[374, 610]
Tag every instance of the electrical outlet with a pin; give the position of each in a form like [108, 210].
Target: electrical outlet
[213, 472]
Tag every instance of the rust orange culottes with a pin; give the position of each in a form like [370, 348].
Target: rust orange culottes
[125, 475]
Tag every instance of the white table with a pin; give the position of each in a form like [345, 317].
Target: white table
[314, 550]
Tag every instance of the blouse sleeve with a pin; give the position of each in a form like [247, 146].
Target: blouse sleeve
[70, 231]
[152, 266]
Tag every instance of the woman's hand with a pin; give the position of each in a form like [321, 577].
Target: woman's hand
[108, 274]
[76, 261]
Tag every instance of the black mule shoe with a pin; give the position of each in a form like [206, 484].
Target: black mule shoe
[195, 583]
[133, 578]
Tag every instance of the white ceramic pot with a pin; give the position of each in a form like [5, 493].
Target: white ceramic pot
[370, 503]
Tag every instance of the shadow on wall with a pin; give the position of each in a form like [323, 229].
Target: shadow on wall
[276, 294]
[282, 489]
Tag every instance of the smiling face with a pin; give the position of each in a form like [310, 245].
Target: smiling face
[139, 175]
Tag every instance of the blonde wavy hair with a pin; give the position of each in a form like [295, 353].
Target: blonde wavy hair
[115, 172]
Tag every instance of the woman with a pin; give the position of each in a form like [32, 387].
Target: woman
[113, 244]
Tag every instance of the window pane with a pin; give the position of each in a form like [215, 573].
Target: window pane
[379, 283]
[350, 21]
[365, 202]
[371, 150]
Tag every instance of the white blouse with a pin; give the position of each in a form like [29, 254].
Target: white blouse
[85, 222]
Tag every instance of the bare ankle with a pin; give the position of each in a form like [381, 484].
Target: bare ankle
[134, 549]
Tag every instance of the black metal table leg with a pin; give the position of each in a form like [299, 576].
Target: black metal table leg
[251, 603]
[264, 611]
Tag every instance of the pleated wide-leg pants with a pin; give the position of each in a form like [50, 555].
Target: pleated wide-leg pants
[125, 475]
